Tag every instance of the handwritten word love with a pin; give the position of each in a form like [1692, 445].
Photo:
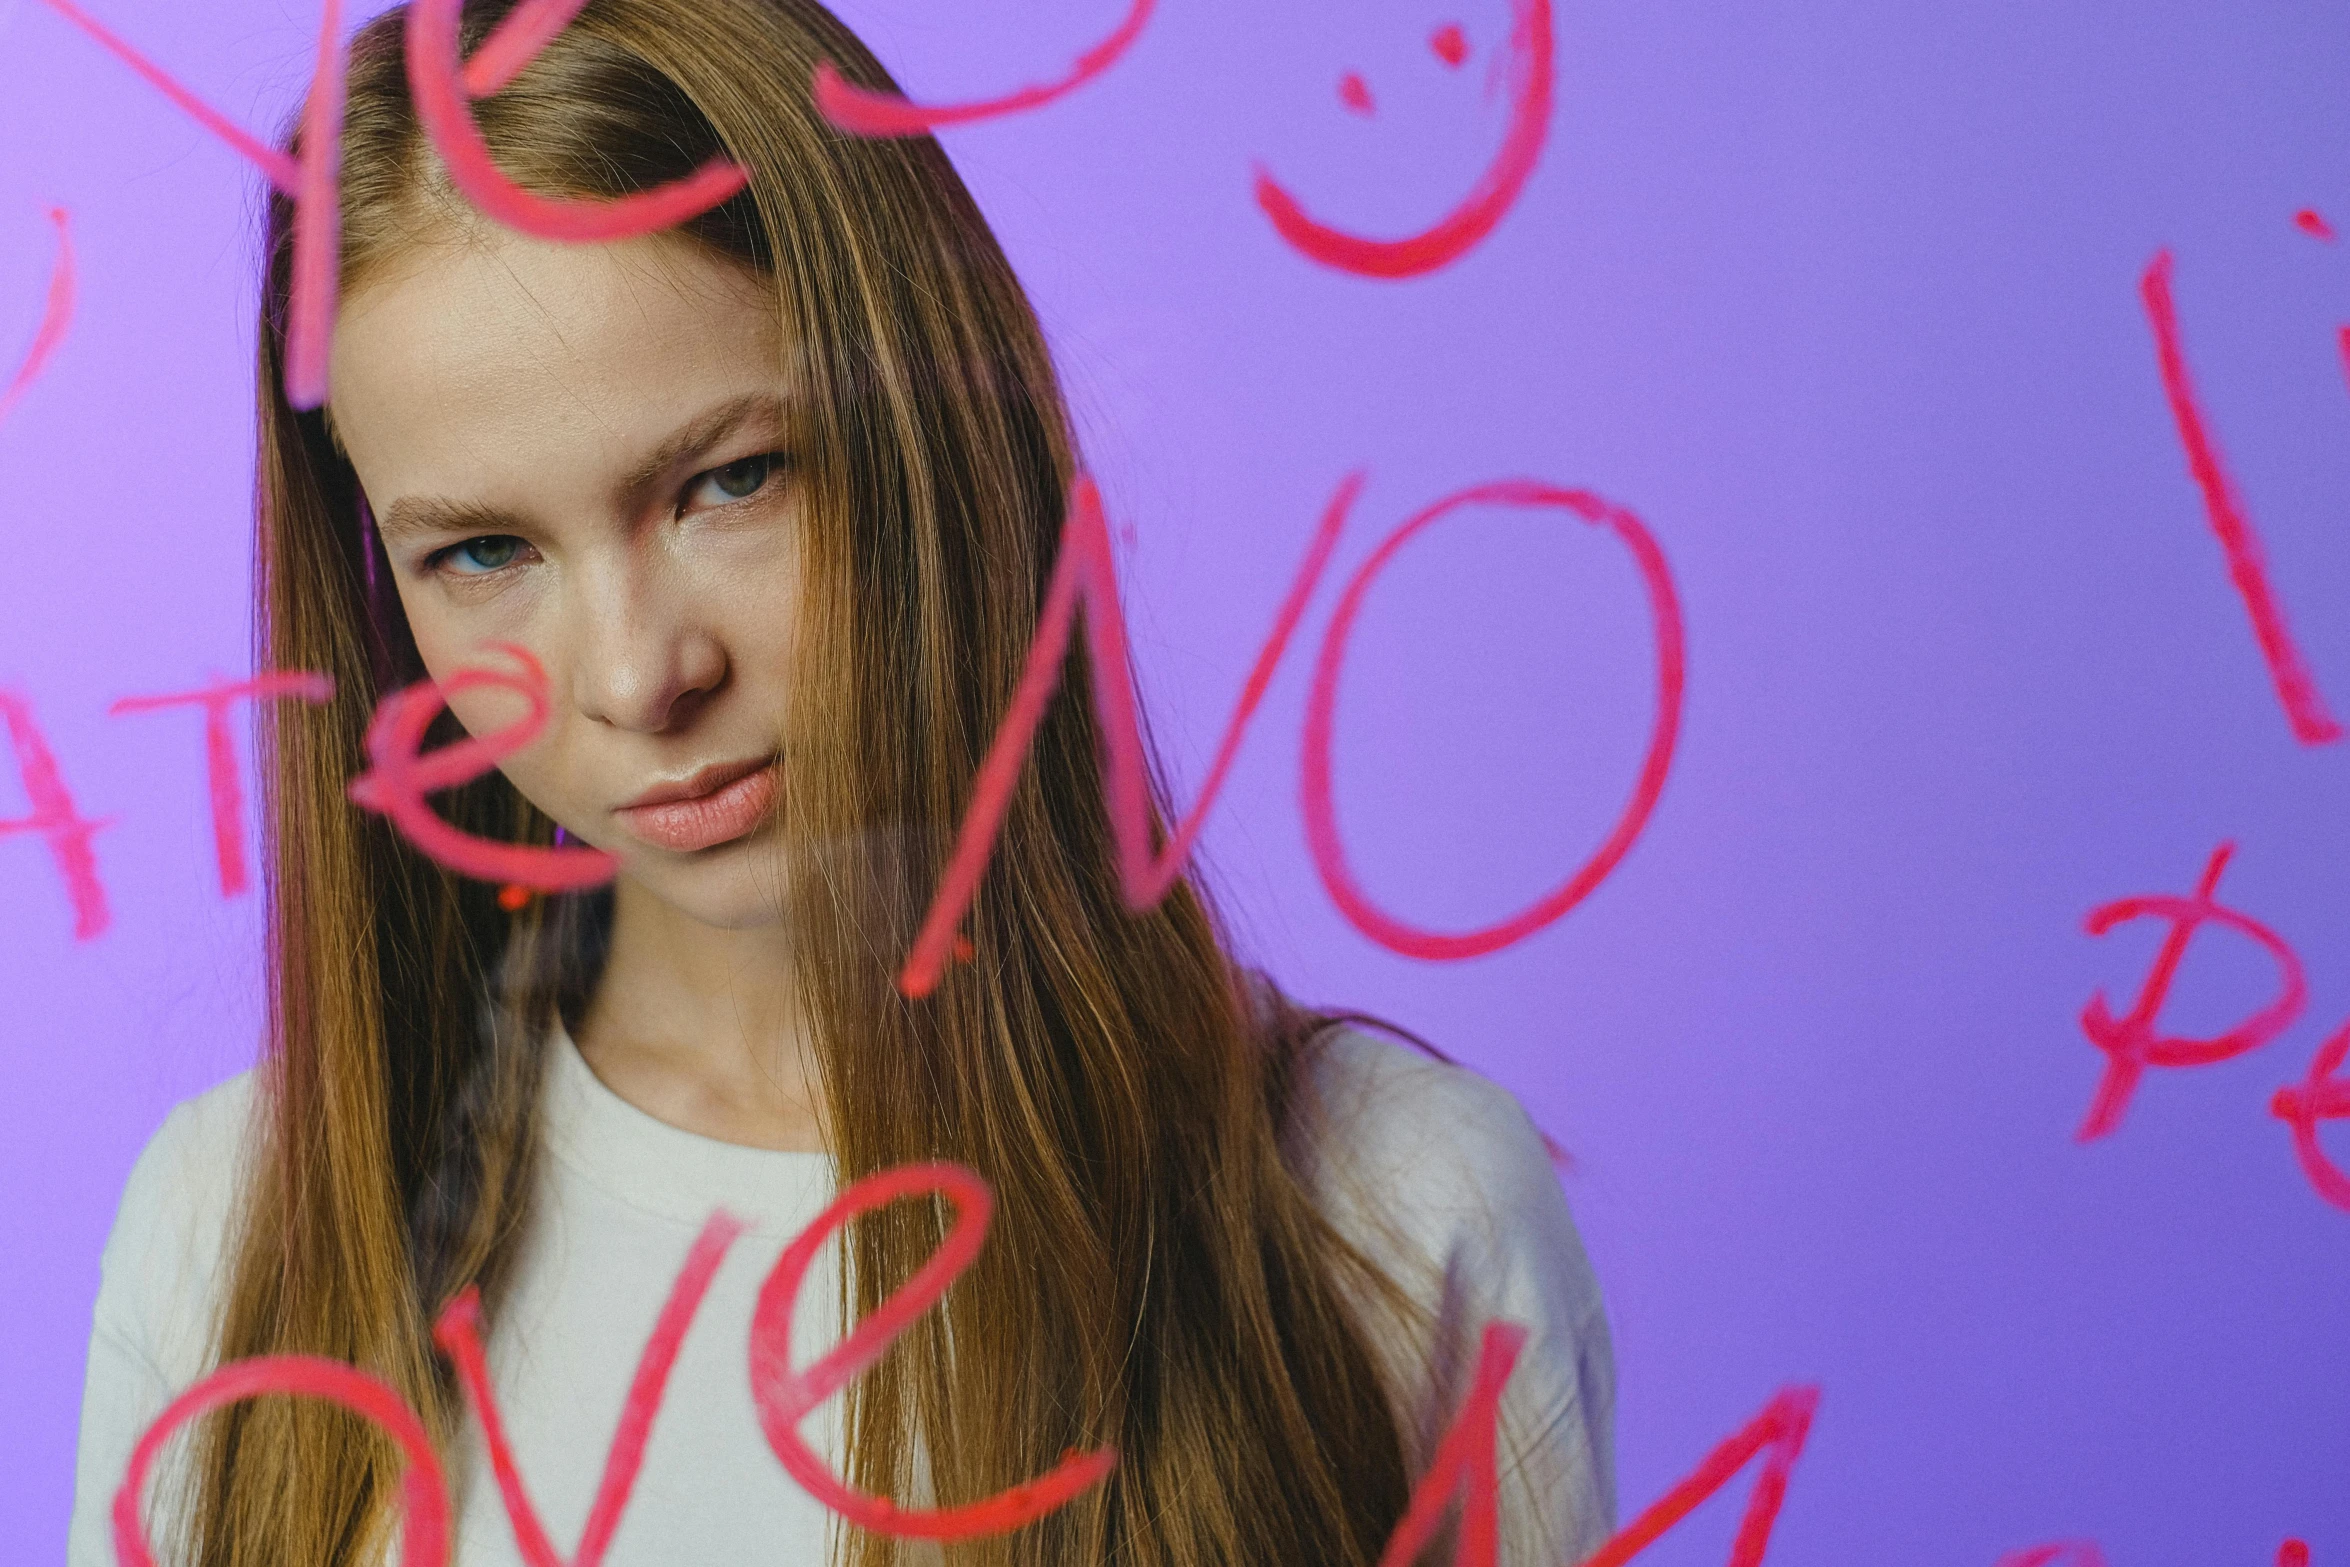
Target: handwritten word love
[2133, 1042]
[1462, 1468]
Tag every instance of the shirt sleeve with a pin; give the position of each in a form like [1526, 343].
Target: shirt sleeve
[150, 1333]
[1439, 1177]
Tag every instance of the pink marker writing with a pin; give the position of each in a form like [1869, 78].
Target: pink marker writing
[1086, 570]
[424, 1495]
[56, 319]
[862, 112]
[53, 817]
[2131, 1043]
[459, 1335]
[311, 181]
[2321, 1096]
[1778, 1435]
[785, 1395]
[1316, 791]
[2062, 1553]
[2305, 707]
[1531, 71]
[222, 779]
[400, 778]
[1464, 1465]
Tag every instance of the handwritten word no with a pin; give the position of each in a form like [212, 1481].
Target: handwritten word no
[1085, 571]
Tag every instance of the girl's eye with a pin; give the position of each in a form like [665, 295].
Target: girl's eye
[490, 552]
[738, 480]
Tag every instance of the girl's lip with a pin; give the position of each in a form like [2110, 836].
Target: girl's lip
[703, 821]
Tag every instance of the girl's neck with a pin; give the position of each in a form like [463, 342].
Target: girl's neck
[702, 1028]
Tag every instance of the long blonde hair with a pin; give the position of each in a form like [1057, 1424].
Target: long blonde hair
[1104, 1072]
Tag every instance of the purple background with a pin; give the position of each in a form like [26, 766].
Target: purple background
[1840, 297]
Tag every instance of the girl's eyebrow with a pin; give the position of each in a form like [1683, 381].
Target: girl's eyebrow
[414, 514]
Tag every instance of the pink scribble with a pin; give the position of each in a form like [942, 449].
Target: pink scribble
[862, 112]
[2342, 341]
[1086, 570]
[1778, 1433]
[222, 776]
[438, 85]
[311, 181]
[399, 779]
[2308, 222]
[2130, 1043]
[2304, 706]
[1355, 93]
[1464, 1464]
[1531, 71]
[2293, 1553]
[54, 818]
[515, 42]
[2063, 1553]
[786, 1396]
[1450, 44]
[2321, 1096]
[1315, 790]
[459, 1335]
[56, 319]
[424, 1496]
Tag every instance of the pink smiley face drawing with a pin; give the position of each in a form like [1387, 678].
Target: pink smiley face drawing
[1529, 71]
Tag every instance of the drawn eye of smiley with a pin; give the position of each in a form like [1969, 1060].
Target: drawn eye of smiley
[1529, 70]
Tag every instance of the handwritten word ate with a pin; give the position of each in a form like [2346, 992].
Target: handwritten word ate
[220, 756]
[2131, 1043]
[54, 817]
[1530, 70]
[56, 319]
[2322, 1096]
[861, 112]
[1086, 572]
[2296, 688]
[1316, 791]
[400, 777]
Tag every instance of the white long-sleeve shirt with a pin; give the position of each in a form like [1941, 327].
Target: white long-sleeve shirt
[1433, 1171]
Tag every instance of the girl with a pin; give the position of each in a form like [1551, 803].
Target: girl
[772, 497]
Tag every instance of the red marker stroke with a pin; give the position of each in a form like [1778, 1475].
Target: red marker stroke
[2130, 1042]
[56, 319]
[310, 180]
[1085, 570]
[442, 93]
[1530, 74]
[785, 1396]
[459, 1335]
[399, 779]
[862, 112]
[1778, 1433]
[2321, 1096]
[55, 818]
[1315, 790]
[2305, 708]
[2063, 1553]
[424, 1496]
[222, 780]
[1464, 1464]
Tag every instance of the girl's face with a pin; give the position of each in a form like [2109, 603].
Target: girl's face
[582, 449]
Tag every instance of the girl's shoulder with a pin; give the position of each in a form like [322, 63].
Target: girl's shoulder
[168, 1249]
